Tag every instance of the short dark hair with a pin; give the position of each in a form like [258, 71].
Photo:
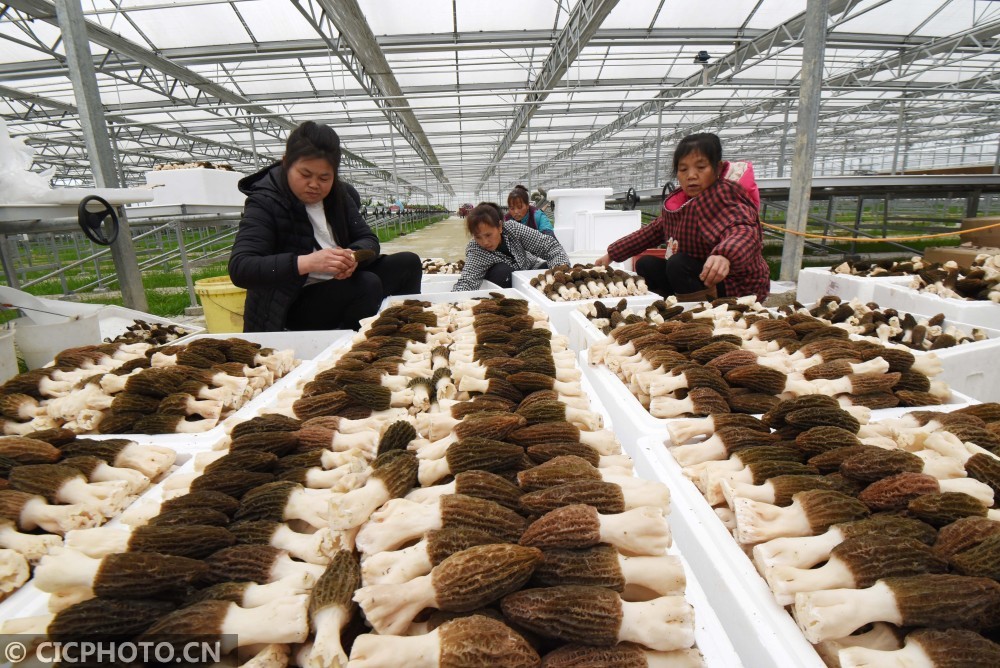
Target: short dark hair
[485, 212]
[706, 143]
[312, 140]
[520, 194]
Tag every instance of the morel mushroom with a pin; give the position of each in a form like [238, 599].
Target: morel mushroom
[255, 563]
[855, 564]
[93, 618]
[193, 541]
[139, 575]
[331, 608]
[935, 648]
[622, 654]
[470, 454]
[393, 475]
[471, 642]
[30, 511]
[465, 581]
[812, 512]
[480, 484]
[640, 578]
[283, 500]
[313, 548]
[937, 601]
[400, 521]
[150, 460]
[404, 565]
[31, 546]
[14, 571]
[598, 616]
[282, 621]
[642, 531]
[65, 484]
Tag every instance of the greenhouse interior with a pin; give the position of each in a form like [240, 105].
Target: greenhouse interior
[324, 320]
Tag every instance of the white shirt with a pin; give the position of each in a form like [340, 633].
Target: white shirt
[323, 236]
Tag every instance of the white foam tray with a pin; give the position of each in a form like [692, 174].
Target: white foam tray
[635, 422]
[762, 633]
[904, 298]
[815, 282]
[431, 283]
[28, 601]
[559, 312]
[309, 347]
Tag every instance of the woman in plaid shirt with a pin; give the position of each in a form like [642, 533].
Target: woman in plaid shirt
[711, 227]
[500, 247]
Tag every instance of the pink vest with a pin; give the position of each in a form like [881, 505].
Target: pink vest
[738, 172]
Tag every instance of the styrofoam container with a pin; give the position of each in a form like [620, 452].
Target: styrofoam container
[309, 347]
[634, 421]
[566, 235]
[196, 186]
[432, 283]
[904, 298]
[761, 631]
[8, 356]
[29, 601]
[559, 312]
[816, 282]
[39, 344]
[445, 297]
[605, 227]
[567, 201]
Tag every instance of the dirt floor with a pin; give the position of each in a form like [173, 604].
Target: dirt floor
[446, 239]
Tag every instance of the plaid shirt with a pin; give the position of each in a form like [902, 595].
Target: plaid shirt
[721, 221]
[525, 244]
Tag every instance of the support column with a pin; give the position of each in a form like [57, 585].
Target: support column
[182, 249]
[527, 185]
[69, 14]
[784, 141]
[814, 44]
[659, 143]
[7, 257]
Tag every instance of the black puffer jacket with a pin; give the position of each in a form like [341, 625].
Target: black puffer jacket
[274, 231]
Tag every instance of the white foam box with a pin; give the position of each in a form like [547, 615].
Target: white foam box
[309, 348]
[432, 283]
[816, 282]
[634, 421]
[559, 312]
[202, 186]
[962, 366]
[761, 631]
[445, 297]
[905, 298]
[29, 601]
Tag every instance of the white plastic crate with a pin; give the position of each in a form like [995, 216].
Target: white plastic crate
[816, 282]
[904, 298]
[432, 283]
[634, 421]
[761, 631]
[309, 347]
[559, 312]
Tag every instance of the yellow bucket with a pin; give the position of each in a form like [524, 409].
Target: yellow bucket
[223, 304]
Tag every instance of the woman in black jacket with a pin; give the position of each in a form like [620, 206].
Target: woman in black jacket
[295, 249]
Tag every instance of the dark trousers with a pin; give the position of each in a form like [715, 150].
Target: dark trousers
[340, 304]
[501, 274]
[676, 275]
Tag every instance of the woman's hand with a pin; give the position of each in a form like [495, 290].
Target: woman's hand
[339, 262]
[603, 261]
[715, 270]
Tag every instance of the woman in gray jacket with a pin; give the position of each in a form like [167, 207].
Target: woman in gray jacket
[499, 248]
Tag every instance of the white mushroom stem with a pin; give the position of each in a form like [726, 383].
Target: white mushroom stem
[397, 566]
[326, 650]
[758, 522]
[662, 574]
[604, 441]
[395, 523]
[786, 581]
[284, 566]
[57, 519]
[429, 471]
[341, 479]
[622, 461]
[638, 492]
[801, 552]
[712, 449]
[641, 531]
[99, 542]
[285, 620]
[150, 460]
[356, 506]
[135, 481]
[35, 625]
[66, 570]
[66, 407]
[928, 364]
[107, 498]
[380, 651]
[38, 423]
[836, 613]
[431, 494]
[14, 571]
[332, 460]
[665, 623]
[256, 595]
[390, 608]
[32, 546]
